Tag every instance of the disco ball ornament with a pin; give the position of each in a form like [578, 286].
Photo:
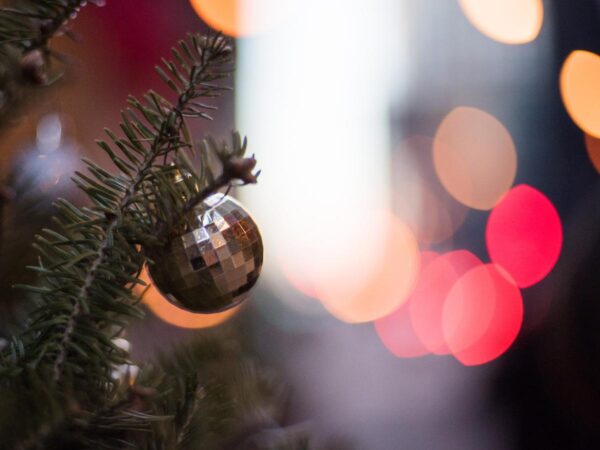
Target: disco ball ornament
[211, 266]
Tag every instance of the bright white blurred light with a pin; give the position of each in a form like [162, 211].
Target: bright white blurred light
[313, 98]
[49, 133]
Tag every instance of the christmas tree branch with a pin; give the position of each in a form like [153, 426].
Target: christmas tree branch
[31, 24]
[62, 364]
[26, 28]
[89, 267]
[168, 125]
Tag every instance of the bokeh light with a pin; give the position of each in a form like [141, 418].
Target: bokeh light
[524, 235]
[396, 330]
[240, 17]
[49, 133]
[222, 15]
[419, 199]
[580, 90]
[429, 297]
[506, 21]
[391, 282]
[482, 315]
[475, 157]
[592, 145]
[176, 316]
[321, 190]
[301, 284]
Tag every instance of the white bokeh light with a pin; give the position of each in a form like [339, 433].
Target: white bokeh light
[314, 95]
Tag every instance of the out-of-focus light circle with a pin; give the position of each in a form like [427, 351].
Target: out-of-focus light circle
[222, 15]
[580, 90]
[301, 284]
[49, 133]
[419, 199]
[178, 317]
[506, 21]
[424, 212]
[392, 280]
[239, 17]
[482, 315]
[475, 157]
[321, 190]
[396, 330]
[336, 257]
[294, 293]
[592, 145]
[524, 235]
[429, 297]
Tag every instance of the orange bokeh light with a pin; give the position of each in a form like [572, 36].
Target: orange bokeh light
[482, 315]
[388, 287]
[592, 145]
[580, 90]
[239, 18]
[396, 330]
[506, 21]
[428, 299]
[474, 157]
[222, 15]
[176, 316]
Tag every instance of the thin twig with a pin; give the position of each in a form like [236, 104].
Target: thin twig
[194, 200]
[193, 408]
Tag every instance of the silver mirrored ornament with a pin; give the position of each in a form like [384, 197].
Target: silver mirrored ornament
[214, 263]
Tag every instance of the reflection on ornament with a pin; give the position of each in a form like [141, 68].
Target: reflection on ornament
[212, 266]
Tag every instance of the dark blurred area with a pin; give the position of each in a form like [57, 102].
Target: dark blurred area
[549, 383]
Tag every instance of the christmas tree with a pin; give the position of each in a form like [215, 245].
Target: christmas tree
[67, 380]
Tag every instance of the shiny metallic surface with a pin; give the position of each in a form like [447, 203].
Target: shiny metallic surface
[214, 264]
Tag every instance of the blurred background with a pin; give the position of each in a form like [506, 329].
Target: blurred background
[429, 204]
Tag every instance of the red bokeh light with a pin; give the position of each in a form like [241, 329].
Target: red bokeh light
[396, 331]
[524, 235]
[482, 315]
[427, 302]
